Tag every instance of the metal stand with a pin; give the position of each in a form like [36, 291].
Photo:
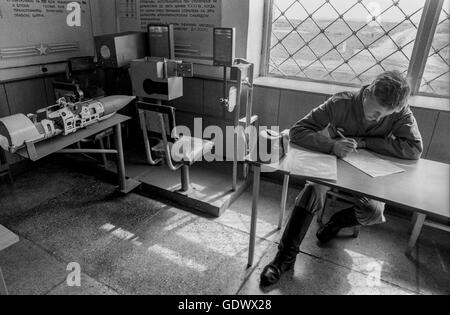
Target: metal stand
[185, 180]
[243, 72]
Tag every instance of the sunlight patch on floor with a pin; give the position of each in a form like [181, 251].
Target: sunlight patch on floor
[176, 258]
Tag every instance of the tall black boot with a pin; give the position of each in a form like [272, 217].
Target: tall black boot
[340, 220]
[289, 246]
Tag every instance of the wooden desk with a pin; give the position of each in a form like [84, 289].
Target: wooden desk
[39, 150]
[423, 188]
[7, 239]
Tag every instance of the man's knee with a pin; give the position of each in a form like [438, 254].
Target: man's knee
[311, 198]
[371, 214]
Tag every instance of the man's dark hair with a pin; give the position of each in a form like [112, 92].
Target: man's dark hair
[391, 90]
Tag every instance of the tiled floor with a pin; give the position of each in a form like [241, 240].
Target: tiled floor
[135, 245]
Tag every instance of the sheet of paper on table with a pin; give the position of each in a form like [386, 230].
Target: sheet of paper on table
[310, 164]
[371, 164]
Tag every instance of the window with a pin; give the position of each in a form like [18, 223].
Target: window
[436, 79]
[351, 41]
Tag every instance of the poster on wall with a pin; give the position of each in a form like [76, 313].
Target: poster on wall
[193, 22]
[43, 31]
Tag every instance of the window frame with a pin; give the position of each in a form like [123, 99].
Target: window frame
[419, 57]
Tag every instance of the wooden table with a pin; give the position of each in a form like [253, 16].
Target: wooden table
[7, 239]
[423, 188]
[39, 150]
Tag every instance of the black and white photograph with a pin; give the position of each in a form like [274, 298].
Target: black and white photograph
[225, 155]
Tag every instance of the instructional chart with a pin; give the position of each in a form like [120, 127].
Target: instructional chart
[193, 22]
[38, 32]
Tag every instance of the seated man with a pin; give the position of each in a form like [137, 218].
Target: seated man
[378, 119]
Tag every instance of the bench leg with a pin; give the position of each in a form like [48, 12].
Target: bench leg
[3, 289]
[418, 225]
[104, 158]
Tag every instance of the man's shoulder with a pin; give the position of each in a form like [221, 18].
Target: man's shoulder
[342, 99]
[343, 96]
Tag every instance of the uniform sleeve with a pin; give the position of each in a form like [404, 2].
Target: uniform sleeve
[404, 142]
[306, 132]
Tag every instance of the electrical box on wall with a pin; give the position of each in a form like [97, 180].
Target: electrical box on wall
[150, 80]
[161, 41]
[224, 46]
[117, 50]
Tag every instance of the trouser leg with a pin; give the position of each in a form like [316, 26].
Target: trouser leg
[310, 201]
[370, 213]
[364, 212]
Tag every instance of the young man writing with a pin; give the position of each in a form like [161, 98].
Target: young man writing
[378, 119]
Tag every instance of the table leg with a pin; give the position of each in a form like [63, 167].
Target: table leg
[120, 157]
[413, 222]
[356, 231]
[283, 201]
[254, 218]
[418, 225]
[3, 289]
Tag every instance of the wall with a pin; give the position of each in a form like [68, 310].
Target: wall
[104, 19]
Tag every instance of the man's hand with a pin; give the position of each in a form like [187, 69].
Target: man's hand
[361, 143]
[342, 148]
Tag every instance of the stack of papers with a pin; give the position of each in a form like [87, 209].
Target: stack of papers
[310, 164]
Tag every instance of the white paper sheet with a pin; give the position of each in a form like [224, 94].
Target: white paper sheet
[310, 164]
[371, 164]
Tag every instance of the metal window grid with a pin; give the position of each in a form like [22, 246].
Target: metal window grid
[276, 66]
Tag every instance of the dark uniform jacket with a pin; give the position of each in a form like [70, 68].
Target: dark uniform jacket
[396, 135]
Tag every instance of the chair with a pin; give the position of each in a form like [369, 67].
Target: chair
[333, 196]
[193, 149]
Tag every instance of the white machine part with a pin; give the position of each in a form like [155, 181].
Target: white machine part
[70, 117]
[17, 129]
[63, 118]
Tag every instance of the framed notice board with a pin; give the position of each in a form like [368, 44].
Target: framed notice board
[35, 32]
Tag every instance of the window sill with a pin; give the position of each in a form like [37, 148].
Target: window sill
[425, 102]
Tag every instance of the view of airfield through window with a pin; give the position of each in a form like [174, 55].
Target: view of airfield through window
[351, 41]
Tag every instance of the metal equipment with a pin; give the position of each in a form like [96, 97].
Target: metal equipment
[242, 73]
[159, 78]
[61, 119]
[161, 40]
[117, 50]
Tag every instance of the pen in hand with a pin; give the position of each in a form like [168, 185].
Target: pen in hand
[344, 138]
